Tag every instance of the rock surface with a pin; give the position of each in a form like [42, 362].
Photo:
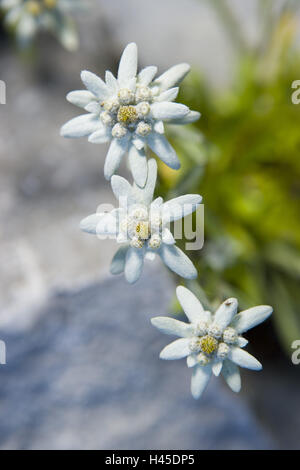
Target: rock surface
[87, 376]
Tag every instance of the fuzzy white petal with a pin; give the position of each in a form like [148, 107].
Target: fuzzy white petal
[161, 147]
[232, 375]
[167, 237]
[116, 151]
[138, 143]
[251, 317]
[151, 181]
[81, 126]
[122, 238]
[67, 33]
[243, 359]
[242, 342]
[122, 190]
[150, 255]
[191, 360]
[94, 84]
[177, 261]
[134, 264]
[107, 225]
[170, 326]
[146, 75]
[80, 98]
[131, 84]
[225, 313]
[138, 165]
[111, 82]
[99, 224]
[9, 3]
[168, 95]
[93, 107]
[200, 379]
[217, 367]
[180, 207]
[189, 118]
[118, 262]
[176, 350]
[128, 64]
[156, 204]
[13, 15]
[26, 28]
[166, 110]
[100, 136]
[89, 224]
[159, 127]
[173, 76]
[191, 305]
[145, 195]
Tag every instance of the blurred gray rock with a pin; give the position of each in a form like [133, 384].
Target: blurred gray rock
[88, 376]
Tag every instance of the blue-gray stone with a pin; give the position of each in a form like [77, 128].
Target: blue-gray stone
[88, 376]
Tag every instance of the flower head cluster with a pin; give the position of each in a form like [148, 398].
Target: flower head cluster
[129, 111]
[141, 226]
[212, 343]
[28, 17]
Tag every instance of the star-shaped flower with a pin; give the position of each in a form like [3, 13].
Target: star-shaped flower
[212, 343]
[141, 226]
[30, 16]
[129, 111]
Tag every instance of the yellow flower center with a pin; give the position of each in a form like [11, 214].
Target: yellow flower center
[127, 114]
[208, 344]
[50, 3]
[142, 230]
[33, 7]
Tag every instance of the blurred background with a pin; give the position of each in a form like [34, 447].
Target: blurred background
[82, 360]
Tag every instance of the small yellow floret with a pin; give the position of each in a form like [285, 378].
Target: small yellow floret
[50, 4]
[127, 114]
[155, 241]
[142, 230]
[208, 344]
[34, 8]
[137, 243]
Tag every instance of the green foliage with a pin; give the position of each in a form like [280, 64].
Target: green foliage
[243, 157]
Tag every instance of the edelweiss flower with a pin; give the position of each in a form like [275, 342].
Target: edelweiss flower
[140, 225]
[129, 111]
[30, 16]
[211, 343]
